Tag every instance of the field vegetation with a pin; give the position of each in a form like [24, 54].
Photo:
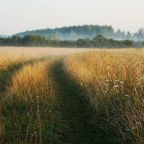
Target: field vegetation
[114, 85]
[28, 106]
[84, 98]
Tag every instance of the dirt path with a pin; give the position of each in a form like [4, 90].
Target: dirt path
[74, 109]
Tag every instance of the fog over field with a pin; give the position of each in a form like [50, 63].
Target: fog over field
[40, 51]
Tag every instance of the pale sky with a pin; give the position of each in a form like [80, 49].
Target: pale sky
[22, 15]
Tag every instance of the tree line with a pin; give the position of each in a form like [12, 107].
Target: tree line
[87, 32]
[97, 42]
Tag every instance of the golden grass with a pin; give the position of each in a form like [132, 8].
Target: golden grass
[39, 51]
[7, 60]
[114, 85]
[28, 106]
[113, 82]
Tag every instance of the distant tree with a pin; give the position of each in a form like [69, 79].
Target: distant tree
[16, 40]
[129, 35]
[128, 43]
[98, 41]
[140, 34]
[84, 43]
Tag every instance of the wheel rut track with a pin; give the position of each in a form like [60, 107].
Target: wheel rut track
[74, 109]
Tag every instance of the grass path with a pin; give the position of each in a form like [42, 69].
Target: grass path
[74, 109]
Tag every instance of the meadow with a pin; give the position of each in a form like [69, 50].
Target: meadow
[71, 96]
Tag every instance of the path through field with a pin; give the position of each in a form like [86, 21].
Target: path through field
[74, 110]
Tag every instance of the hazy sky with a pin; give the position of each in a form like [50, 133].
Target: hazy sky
[21, 15]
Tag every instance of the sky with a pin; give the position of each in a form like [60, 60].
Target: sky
[22, 15]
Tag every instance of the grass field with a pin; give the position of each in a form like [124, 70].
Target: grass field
[39, 51]
[71, 96]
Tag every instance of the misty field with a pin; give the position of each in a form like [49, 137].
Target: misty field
[39, 51]
[71, 96]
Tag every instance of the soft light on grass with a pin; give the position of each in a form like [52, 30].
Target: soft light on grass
[114, 85]
[6, 60]
[28, 112]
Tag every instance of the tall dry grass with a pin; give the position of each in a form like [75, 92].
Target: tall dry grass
[114, 85]
[28, 107]
[6, 61]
